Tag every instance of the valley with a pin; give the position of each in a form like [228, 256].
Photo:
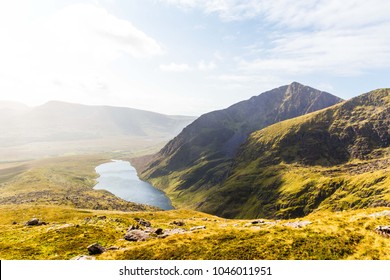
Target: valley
[293, 173]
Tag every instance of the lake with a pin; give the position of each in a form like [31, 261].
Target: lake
[120, 178]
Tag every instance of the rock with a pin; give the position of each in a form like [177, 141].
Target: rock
[298, 224]
[169, 232]
[32, 222]
[14, 223]
[255, 222]
[179, 223]
[35, 222]
[83, 258]
[112, 248]
[133, 227]
[383, 230]
[197, 228]
[144, 223]
[205, 219]
[136, 235]
[385, 213]
[158, 231]
[95, 249]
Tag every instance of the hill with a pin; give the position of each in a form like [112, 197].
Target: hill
[336, 159]
[57, 128]
[191, 165]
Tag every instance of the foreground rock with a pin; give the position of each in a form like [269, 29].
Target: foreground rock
[143, 222]
[95, 249]
[385, 213]
[197, 228]
[136, 235]
[35, 222]
[169, 232]
[383, 230]
[298, 224]
[83, 258]
[178, 223]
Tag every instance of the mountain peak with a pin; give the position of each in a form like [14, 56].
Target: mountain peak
[200, 156]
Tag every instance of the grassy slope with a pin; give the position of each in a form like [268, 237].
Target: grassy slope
[338, 158]
[343, 235]
[66, 181]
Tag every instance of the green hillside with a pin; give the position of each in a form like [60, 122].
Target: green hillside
[335, 159]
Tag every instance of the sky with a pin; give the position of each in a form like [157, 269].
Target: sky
[189, 57]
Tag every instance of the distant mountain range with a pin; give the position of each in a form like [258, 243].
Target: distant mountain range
[99, 126]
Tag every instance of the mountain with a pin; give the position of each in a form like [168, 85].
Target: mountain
[335, 159]
[9, 109]
[59, 125]
[193, 164]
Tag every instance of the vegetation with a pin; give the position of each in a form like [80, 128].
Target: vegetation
[340, 235]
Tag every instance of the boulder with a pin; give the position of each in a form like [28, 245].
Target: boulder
[255, 222]
[169, 232]
[83, 258]
[143, 222]
[197, 228]
[95, 249]
[298, 224]
[35, 222]
[178, 223]
[385, 213]
[383, 230]
[159, 231]
[136, 235]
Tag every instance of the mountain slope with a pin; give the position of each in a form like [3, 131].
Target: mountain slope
[190, 166]
[79, 127]
[337, 158]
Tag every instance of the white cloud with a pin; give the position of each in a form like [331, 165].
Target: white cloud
[339, 37]
[173, 67]
[66, 54]
[206, 66]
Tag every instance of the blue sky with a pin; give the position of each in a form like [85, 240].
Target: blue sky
[189, 56]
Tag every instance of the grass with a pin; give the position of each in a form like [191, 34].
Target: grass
[332, 235]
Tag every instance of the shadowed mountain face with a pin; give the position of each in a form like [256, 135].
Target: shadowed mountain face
[58, 122]
[200, 156]
[337, 158]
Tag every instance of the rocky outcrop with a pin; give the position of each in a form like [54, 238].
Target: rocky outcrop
[95, 249]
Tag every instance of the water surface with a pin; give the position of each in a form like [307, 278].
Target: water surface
[120, 178]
